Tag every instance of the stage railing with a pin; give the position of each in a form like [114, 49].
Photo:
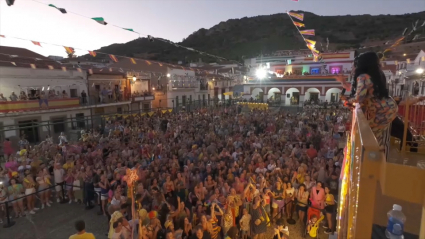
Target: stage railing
[413, 114]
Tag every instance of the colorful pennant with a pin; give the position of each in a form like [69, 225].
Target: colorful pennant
[13, 63]
[311, 42]
[133, 61]
[92, 53]
[113, 58]
[60, 9]
[69, 50]
[36, 43]
[50, 67]
[148, 62]
[308, 32]
[100, 20]
[299, 24]
[63, 68]
[299, 16]
[128, 29]
[33, 66]
[79, 70]
[3, 36]
[91, 72]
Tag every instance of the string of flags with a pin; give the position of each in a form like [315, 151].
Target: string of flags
[102, 21]
[311, 44]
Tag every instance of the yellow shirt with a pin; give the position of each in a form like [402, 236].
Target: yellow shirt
[83, 236]
[67, 166]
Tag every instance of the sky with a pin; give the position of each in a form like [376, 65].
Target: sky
[169, 19]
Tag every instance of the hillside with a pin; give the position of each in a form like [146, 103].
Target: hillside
[247, 37]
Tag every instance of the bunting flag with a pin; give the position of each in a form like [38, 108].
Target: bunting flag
[110, 69]
[128, 29]
[3, 36]
[308, 32]
[36, 43]
[133, 61]
[423, 58]
[408, 61]
[299, 24]
[13, 63]
[91, 72]
[395, 62]
[148, 62]
[100, 20]
[299, 16]
[311, 47]
[69, 50]
[159, 64]
[33, 66]
[60, 9]
[170, 110]
[311, 42]
[151, 113]
[63, 68]
[50, 67]
[113, 58]
[92, 53]
[79, 70]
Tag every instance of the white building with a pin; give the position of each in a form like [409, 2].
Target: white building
[295, 79]
[410, 77]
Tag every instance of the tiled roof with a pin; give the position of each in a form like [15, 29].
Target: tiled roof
[24, 57]
[146, 66]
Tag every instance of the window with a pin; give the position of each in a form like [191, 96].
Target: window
[73, 93]
[119, 110]
[58, 125]
[315, 71]
[80, 120]
[335, 69]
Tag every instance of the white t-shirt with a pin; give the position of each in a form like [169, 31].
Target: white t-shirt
[58, 174]
[261, 170]
[118, 235]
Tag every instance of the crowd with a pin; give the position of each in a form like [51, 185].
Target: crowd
[201, 174]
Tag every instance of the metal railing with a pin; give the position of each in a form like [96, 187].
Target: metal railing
[413, 116]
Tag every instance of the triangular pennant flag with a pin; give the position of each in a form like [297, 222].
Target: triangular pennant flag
[3, 36]
[33, 66]
[299, 24]
[113, 58]
[79, 70]
[50, 67]
[91, 72]
[299, 16]
[129, 29]
[100, 20]
[13, 63]
[159, 64]
[308, 32]
[92, 53]
[395, 62]
[69, 50]
[63, 68]
[36, 43]
[170, 110]
[60, 9]
[164, 111]
[408, 61]
[148, 62]
[151, 113]
[311, 42]
[133, 61]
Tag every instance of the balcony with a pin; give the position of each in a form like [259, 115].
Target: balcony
[34, 105]
[142, 98]
[370, 184]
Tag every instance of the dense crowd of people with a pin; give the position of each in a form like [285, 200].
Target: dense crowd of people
[201, 174]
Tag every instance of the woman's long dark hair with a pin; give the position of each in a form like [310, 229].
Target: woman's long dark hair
[368, 63]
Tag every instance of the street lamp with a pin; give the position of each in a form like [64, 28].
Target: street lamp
[419, 71]
[134, 78]
[168, 75]
[261, 73]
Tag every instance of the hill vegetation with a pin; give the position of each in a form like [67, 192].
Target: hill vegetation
[237, 39]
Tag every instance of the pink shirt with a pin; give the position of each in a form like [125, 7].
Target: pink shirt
[318, 199]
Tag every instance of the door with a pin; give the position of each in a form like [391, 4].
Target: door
[314, 96]
[29, 129]
[295, 100]
[334, 97]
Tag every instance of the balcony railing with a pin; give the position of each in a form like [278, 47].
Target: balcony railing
[7, 107]
[366, 176]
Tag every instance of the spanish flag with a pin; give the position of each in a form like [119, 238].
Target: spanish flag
[69, 50]
[308, 32]
[299, 16]
[133, 61]
[299, 24]
[92, 53]
[148, 62]
[113, 58]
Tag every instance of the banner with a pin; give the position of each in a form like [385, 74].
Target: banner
[308, 32]
[151, 113]
[299, 16]
[299, 24]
